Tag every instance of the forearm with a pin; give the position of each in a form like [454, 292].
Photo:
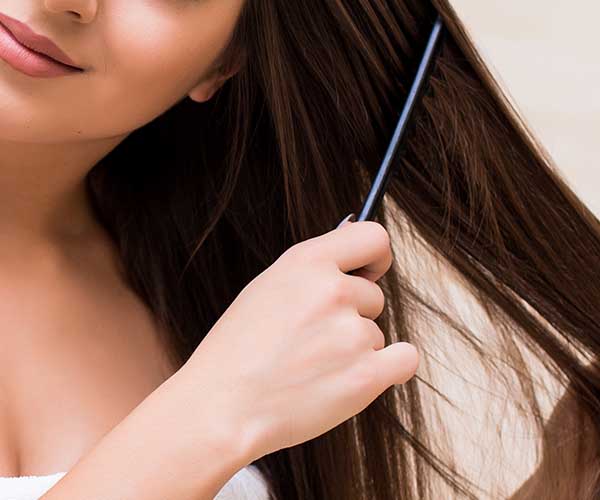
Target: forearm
[148, 457]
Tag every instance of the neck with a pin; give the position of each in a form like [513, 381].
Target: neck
[42, 189]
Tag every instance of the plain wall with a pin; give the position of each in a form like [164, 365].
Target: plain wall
[545, 53]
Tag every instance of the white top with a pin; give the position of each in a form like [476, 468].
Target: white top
[247, 484]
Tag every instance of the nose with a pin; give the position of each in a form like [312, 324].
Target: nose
[84, 11]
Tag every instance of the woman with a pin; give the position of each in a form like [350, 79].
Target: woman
[177, 307]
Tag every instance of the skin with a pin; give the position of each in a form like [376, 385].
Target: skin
[65, 312]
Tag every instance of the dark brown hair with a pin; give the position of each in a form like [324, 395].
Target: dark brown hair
[206, 196]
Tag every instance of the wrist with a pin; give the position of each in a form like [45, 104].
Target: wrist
[215, 430]
[193, 446]
[165, 448]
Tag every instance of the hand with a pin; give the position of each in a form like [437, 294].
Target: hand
[298, 352]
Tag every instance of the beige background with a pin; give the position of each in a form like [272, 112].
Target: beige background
[545, 53]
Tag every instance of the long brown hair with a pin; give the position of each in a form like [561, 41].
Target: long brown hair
[206, 196]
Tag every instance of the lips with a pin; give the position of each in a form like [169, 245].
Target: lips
[36, 42]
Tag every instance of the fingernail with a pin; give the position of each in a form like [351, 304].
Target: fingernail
[349, 218]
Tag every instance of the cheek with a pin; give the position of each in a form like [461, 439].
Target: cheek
[152, 54]
[148, 69]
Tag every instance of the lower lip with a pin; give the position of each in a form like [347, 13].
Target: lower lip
[29, 62]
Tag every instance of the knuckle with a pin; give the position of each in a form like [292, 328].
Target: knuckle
[303, 251]
[351, 338]
[337, 292]
[357, 340]
[379, 234]
[364, 377]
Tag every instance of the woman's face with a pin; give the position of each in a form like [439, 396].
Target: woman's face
[140, 58]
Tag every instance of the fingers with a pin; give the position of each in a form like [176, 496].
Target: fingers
[365, 295]
[376, 336]
[363, 245]
[396, 364]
